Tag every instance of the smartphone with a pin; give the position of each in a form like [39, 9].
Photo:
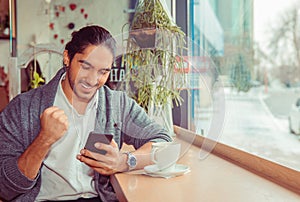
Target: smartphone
[97, 137]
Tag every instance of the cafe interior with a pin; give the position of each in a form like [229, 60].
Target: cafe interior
[33, 34]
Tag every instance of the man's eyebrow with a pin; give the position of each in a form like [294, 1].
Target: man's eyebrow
[106, 69]
[85, 62]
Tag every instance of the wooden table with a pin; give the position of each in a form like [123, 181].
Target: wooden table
[212, 179]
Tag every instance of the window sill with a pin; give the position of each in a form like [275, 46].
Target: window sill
[281, 175]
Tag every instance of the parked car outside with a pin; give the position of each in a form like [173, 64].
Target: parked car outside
[294, 118]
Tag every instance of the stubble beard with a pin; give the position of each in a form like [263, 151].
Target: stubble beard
[75, 93]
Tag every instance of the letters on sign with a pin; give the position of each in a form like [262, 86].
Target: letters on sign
[117, 75]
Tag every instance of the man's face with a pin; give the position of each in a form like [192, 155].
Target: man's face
[89, 71]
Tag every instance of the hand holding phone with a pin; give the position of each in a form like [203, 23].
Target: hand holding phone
[97, 137]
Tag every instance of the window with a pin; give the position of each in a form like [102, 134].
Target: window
[250, 69]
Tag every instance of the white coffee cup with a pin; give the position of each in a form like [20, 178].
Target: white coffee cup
[165, 155]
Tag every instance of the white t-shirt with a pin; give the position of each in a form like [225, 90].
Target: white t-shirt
[63, 176]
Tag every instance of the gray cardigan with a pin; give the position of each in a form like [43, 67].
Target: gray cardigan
[20, 124]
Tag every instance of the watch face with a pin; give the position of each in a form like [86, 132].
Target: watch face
[132, 160]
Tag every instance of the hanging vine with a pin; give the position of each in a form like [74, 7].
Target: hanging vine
[153, 59]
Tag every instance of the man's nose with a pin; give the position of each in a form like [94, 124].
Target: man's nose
[93, 78]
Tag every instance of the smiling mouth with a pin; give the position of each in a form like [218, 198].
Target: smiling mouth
[87, 87]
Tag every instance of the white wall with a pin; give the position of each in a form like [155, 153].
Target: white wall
[32, 24]
[35, 16]
[33, 21]
[4, 43]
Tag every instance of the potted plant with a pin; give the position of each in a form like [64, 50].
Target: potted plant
[154, 60]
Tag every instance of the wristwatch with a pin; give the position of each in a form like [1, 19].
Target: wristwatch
[131, 161]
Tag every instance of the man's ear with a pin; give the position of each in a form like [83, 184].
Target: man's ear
[66, 59]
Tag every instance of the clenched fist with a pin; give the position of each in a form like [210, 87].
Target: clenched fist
[54, 124]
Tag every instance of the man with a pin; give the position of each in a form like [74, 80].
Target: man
[43, 131]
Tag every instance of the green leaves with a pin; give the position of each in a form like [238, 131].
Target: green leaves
[153, 59]
[36, 80]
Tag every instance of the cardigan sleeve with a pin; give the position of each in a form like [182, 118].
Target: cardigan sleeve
[138, 127]
[12, 144]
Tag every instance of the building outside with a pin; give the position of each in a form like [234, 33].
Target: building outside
[221, 33]
[236, 19]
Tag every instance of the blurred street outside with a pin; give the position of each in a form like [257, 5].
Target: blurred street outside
[257, 122]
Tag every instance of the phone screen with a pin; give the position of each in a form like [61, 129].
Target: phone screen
[97, 137]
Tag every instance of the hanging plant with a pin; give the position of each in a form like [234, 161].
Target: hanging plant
[153, 59]
[34, 75]
[37, 80]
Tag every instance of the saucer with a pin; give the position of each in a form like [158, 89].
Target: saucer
[178, 170]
